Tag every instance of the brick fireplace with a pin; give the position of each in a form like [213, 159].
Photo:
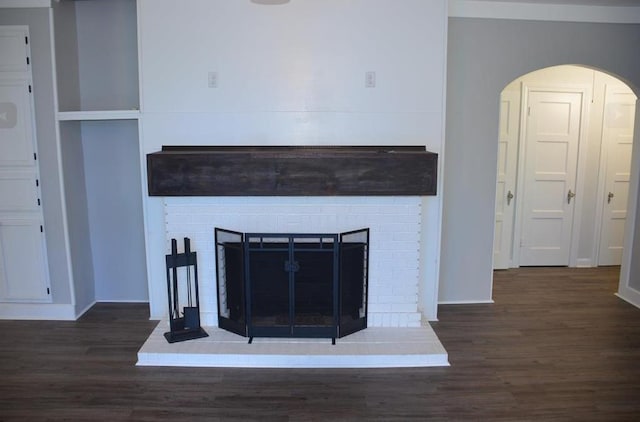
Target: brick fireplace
[397, 334]
[304, 190]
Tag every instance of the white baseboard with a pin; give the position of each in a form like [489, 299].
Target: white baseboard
[37, 311]
[24, 3]
[122, 301]
[464, 302]
[82, 312]
[630, 295]
[584, 263]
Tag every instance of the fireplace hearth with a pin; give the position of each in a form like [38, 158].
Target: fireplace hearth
[292, 285]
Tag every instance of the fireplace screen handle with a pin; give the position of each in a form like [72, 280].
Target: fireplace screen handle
[291, 266]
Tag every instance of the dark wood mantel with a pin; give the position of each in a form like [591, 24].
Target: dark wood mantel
[291, 171]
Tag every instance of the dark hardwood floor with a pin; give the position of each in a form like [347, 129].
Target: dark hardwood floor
[556, 345]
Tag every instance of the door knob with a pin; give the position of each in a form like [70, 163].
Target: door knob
[509, 198]
[609, 197]
[569, 196]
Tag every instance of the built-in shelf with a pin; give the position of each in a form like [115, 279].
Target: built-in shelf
[99, 115]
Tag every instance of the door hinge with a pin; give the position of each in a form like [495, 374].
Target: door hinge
[27, 60]
[29, 88]
[35, 157]
[37, 182]
[41, 229]
[48, 291]
[38, 201]
[26, 40]
[528, 111]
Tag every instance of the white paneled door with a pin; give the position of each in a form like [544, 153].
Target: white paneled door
[617, 138]
[23, 274]
[506, 180]
[551, 150]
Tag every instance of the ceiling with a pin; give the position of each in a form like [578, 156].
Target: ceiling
[609, 3]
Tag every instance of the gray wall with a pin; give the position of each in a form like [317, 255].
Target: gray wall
[484, 55]
[108, 80]
[41, 59]
[107, 47]
[66, 45]
[114, 200]
[77, 215]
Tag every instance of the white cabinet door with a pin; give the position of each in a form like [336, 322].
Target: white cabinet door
[18, 191]
[23, 263]
[16, 131]
[14, 48]
[22, 275]
[552, 137]
[617, 138]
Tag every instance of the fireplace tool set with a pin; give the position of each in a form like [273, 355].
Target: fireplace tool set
[183, 325]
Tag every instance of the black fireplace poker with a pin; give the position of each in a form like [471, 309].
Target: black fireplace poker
[183, 325]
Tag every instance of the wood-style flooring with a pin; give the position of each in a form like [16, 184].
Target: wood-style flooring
[556, 345]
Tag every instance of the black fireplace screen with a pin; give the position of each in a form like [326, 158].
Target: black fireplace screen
[292, 285]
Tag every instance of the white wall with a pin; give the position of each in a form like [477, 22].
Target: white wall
[292, 74]
[484, 56]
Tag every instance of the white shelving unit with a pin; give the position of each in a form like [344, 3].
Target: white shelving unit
[66, 116]
[97, 80]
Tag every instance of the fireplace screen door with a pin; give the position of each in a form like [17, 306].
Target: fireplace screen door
[293, 285]
[354, 259]
[231, 289]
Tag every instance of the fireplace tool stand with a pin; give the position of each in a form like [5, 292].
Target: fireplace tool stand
[186, 325]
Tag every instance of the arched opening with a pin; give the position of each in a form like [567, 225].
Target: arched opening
[564, 169]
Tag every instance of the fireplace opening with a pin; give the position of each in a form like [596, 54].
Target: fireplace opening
[292, 285]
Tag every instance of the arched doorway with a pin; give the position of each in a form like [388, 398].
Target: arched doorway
[564, 160]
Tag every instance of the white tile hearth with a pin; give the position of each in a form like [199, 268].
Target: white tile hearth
[374, 347]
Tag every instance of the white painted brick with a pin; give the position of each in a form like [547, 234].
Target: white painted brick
[401, 307]
[394, 224]
[386, 299]
[379, 307]
[414, 320]
[375, 320]
[385, 290]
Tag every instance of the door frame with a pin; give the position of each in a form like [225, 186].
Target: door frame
[510, 181]
[602, 174]
[586, 92]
